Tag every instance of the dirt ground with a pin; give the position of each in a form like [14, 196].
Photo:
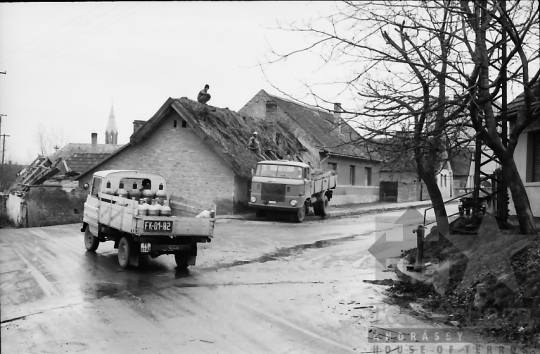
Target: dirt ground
[489, 282]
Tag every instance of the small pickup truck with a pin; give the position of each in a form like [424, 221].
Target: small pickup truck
[291, 187]
[108, 217]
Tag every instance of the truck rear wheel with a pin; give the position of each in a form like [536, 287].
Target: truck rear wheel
[90, 241]
[124, 252]
[181, 259]
[323, 205]
[299, 215]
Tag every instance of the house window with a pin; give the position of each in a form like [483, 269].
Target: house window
[368, 176]
[175, 123]
[332, 166]
[444, 177]
[352, 177]
[184, 124]
[533, 156]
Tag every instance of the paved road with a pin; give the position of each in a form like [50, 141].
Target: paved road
[259, 287]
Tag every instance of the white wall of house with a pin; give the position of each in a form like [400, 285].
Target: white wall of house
[13, 207]
[445, 181]
[522, 157]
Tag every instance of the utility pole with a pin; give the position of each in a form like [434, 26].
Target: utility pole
[1, 115]
[3, 147]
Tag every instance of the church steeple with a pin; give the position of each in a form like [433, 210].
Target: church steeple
[111, 134]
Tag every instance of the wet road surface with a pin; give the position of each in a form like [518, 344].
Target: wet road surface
[259, 287]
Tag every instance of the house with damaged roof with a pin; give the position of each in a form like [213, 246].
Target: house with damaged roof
[201, 151]
[325, 135]
[45, 192]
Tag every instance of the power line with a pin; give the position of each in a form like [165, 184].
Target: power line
[89, 33]
[56, 29]
[47, 45]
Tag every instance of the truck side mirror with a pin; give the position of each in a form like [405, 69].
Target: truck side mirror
[86, 186]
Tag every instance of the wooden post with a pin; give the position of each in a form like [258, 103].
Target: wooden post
[419, 264]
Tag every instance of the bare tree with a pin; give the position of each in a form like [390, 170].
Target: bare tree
[486, 27]
[424, 65]
[401, 51]
[48, 138]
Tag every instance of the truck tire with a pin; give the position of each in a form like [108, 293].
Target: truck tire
[90, 241]
[260, 213]
[323, 205]
[124, 252]
[299, 215]
[316, 207]
[181, 259]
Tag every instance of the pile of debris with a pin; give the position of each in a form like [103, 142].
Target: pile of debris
[36, 173]
[40, 171]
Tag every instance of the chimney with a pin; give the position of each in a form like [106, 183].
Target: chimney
[337, 116]
[94, 138]
[271, 117]
[137, 124]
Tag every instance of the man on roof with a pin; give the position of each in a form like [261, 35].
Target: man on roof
[255, 146]
[204, 96]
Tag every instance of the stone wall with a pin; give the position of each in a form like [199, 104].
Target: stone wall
[48, 206]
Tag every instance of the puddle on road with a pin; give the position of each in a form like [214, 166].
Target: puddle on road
[284, 252]
[109, 289]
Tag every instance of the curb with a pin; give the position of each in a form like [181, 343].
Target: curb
[339, 213]
[402, 275]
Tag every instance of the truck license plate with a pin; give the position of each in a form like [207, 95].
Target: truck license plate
[154, 225]
[145, 247]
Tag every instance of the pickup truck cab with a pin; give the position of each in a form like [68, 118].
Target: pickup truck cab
[291, 187]
[118, 218]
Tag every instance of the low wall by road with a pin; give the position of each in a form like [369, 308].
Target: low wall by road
[14, 210]
[355, 194]
[54, 206]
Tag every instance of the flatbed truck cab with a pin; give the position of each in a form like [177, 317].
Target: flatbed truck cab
[291, 187]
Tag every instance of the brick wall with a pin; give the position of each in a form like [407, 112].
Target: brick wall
[188, 164]
[54, 206]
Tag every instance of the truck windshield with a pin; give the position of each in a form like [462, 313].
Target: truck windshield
[281, 171]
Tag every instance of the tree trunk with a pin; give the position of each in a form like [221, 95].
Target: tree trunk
[519, 196]
[438, 202]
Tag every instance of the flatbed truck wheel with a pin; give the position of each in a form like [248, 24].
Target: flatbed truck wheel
[323, 205]
[90, 241]
[181, 259]
[124, 252]
[299, 214]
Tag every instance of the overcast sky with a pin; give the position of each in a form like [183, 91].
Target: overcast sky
[67, 62]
